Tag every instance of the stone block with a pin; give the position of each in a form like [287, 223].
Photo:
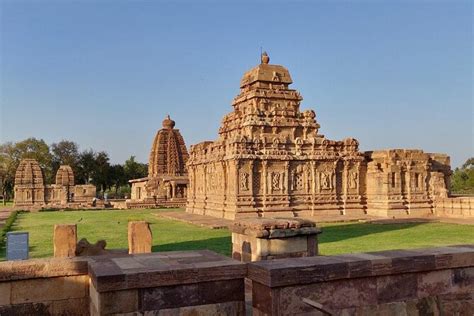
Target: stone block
[103, 303]
[5, 293]
[76, 306]
[194, 294]
[51, 289]
[65, 240]
[396, 287]
[44, 308]
[139, 237]
[434, 283]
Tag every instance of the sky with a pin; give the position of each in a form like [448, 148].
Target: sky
[104, 74]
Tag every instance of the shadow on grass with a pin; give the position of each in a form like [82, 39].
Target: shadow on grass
[342, 232]
[220, 245]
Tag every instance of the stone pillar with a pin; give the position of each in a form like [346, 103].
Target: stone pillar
[139, 237]
[173, 189]
[345, 184]
[65, 240]
[268, 238]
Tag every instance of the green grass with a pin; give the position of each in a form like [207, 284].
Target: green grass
[168, 235]
[340, 238]
[7, 204]
[111, 225]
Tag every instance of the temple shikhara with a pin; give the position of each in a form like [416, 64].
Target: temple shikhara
[270, 160]
[31, 190]
[167, 181]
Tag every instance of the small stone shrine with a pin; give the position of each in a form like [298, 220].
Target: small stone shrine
[167, 181]
[31, 190]
[270, 160]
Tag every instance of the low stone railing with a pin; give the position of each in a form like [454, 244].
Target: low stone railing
[435, 281]
[456, 207]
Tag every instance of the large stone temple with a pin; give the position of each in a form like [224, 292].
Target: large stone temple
[270, 160]
[31, 190]
[167, 181]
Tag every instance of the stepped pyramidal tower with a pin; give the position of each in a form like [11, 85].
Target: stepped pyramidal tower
[270, 160]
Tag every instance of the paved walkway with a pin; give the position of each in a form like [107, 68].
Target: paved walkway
[220, 223]
[200, 220]
[4, 214]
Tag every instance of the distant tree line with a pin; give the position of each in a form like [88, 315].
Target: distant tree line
[89, 166]
[462, 181]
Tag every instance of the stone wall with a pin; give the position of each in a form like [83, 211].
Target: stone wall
[456, 207]
[432, 281]
[44, 287]
[424, 281]
[172, 283]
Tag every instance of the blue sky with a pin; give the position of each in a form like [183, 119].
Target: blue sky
[105, 73]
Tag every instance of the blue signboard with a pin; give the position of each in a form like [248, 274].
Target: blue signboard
[17, 246]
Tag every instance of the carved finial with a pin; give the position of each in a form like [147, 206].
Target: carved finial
[265, 58]
[168, 123]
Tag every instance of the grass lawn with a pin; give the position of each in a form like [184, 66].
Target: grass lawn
[7, 204]
[337, 238]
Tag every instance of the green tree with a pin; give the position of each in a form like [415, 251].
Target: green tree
[86, 167]
[7, 170]
[462, 181]
[65, 152]
[36, 149]
[117, 177]
[134, 169]
[100, 176]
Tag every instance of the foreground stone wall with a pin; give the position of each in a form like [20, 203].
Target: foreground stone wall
[432, 281]
[170, 283]
[436, 281]
[44, 287]
[456, 207]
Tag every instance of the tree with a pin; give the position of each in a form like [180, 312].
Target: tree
[35, 149]
[7, 170]
[135, 170]
[65, 153]
[86, 167]
[100, 176]
[117, 177]
[463, 178]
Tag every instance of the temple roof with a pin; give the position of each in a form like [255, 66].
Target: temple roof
[65, 176]
[168, 155]
[266, 72]
[29, 173]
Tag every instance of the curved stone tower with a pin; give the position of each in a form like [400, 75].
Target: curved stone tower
[29, 183]
[65, 176]
[168, 154]
[167, 179]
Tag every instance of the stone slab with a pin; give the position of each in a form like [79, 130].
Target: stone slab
[162, 269]
[17, 245]
[65, 240]
[292, 271]
[42, 268]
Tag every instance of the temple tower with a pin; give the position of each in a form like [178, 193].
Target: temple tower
[167, 179]
[270, 160]
[29, 184]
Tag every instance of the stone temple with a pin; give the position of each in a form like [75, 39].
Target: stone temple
[31, 190]
[270, 160]
[167, 181]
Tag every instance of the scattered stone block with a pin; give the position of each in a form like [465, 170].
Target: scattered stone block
[139, 237]
[271, 238]
[65, 240]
